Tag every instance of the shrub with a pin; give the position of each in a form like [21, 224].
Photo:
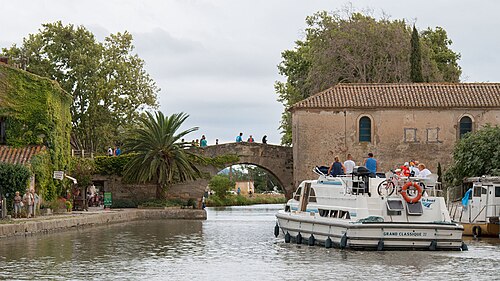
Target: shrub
[13, 177]
[221, 184]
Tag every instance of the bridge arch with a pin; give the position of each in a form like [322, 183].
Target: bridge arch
[277, 160]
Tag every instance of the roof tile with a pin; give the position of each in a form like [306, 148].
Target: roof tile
[406, 95]
[20, 155]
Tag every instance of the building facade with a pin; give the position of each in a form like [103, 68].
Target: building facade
[396, 122]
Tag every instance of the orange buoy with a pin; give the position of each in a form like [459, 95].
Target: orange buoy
[405, 195]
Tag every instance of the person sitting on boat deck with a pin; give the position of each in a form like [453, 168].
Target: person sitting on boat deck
[423, 171]
[349, 164]
[371, 165]
[413, 169]
[337, 168]
[405, 169]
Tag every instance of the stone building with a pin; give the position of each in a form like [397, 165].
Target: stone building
[396, 122]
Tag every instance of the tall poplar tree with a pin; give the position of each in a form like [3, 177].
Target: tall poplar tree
[416, 58]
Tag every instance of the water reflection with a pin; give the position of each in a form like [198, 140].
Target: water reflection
[234, 243]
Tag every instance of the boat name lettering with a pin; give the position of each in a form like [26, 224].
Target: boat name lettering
[401, 233]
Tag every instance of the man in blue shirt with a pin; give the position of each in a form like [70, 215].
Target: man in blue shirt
[371, 164]
[239, 138]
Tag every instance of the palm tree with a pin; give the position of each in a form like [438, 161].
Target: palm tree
[159, 154]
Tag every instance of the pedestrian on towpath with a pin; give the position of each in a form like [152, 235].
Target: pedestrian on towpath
[18, 204]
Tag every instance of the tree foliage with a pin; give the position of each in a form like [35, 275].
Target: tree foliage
[475, 155]
[159, 154]
[358, 48]
[13, 177]
[108, 83]
[221, 184]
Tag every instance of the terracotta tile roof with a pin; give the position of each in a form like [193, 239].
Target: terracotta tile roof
[408, 95]
[21, 155]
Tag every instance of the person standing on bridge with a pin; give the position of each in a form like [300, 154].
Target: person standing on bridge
[203, 142]
[239, 138]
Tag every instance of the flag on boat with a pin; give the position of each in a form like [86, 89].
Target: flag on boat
[466, 198]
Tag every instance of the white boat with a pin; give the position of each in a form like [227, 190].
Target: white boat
[479, 209]
[348, 212]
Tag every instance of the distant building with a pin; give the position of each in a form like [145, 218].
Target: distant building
[245, 187]
[397, 122]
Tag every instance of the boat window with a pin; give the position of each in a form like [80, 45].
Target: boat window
[465, 126]
[365, 129]
[312, 195]
[323, 213]
[344, 215]
[347, 216]
[497, 191]
[297, 194]
[334, 213]
[477, 191]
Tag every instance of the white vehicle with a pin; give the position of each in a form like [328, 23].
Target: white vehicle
[478, 209]
[348, 212]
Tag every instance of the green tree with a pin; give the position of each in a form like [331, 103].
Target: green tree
[357, 48]
[13, 177]
[445, 59]
[221, 184]
[415, 58]
[159, 154]
[108, 83]
[475, 155]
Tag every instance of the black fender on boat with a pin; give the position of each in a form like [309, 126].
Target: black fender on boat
[380, 245]
[343, 241]
[476, 231]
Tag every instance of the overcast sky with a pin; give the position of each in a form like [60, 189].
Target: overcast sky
[216, 60]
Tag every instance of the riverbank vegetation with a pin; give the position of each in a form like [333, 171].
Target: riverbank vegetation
[240, 200]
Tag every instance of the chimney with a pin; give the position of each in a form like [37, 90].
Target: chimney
[4, 60]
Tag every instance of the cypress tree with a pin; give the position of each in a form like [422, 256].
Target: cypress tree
[415, 58]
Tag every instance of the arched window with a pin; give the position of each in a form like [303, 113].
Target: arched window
[465, 125]
[365, 129]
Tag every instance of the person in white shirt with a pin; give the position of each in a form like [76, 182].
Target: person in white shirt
[414, 169]
[423, 171]
[349, 164]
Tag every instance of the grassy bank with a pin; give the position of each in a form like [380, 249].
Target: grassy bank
[239, 200]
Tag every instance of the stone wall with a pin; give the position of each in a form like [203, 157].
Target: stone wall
[48, 224]
[319, 135]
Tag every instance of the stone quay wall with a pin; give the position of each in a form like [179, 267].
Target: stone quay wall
[62, 222]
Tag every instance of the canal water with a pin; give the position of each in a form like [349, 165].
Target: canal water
[235, 243]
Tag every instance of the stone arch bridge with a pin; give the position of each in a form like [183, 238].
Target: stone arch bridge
[275, 159]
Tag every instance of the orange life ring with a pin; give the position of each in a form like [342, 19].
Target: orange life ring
[405, 194]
